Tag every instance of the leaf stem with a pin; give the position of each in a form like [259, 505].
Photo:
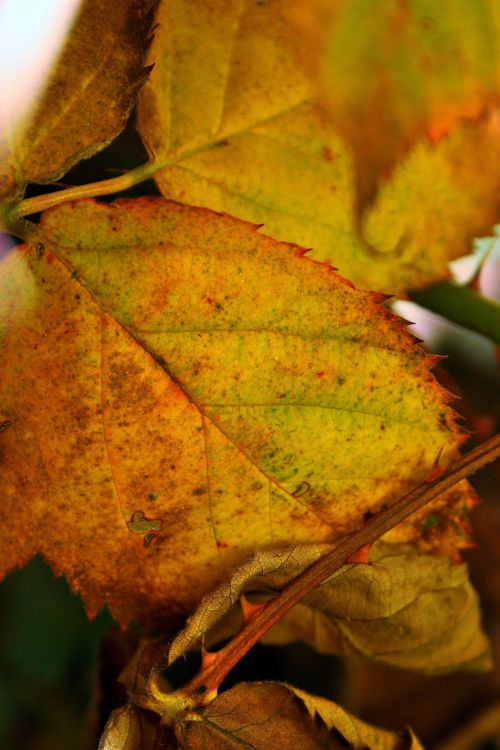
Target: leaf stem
[462, 305]
[203, 687]
[91, 190]
[483, 726]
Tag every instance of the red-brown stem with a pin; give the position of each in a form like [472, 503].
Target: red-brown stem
[203, 687]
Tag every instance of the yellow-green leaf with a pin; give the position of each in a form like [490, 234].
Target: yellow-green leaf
[87, 98]
[219, 67]
[406, 609]
[393, 72]
[239, 139]
[182, 390]
[264, 715]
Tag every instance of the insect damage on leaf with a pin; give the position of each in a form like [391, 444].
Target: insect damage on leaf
[139, 524]
[171, 351]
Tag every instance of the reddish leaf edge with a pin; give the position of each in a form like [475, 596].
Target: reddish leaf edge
[35, 232]
[379, 299]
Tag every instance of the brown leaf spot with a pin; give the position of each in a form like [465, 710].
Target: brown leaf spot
[327, 153]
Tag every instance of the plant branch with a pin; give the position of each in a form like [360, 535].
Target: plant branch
[483, 726]
[203, 687]
[462, 305]
[91, 190]
[103, 187]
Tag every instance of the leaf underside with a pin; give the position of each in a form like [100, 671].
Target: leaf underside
[406, 609]
[87, 98]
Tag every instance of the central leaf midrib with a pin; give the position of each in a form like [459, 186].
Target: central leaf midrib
[200, 407]
[164, 160]
[161, 362]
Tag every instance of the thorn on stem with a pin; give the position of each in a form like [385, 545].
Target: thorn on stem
[436, 469]
[362, 555]
[248, 609]
[207, 657]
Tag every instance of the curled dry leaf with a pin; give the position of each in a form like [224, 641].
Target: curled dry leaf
[87, 98]
[187, 391]
[406, 609]
[262, 149]
[122, 730]
[395, 72]
[265, 715]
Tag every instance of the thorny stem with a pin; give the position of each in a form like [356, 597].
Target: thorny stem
[91, 190]
[203, 687]
[483, 726]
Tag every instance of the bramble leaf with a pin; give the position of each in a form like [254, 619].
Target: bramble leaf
[88, 96]
[398, 71]
[261, 148]
[263, 715]
[356, 732]
[122, 730]
[406, 609]
[182, 391]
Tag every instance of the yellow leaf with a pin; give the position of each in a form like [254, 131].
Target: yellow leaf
[265, 715]
[396, 71]
[229, 110]
[182, 390]
[356, 732]
[219, 67]
[406, 609]
[87, 98]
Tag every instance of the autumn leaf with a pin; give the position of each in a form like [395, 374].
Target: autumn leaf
[182, 390]
[260, 147]
[263, 715]
[254, 72]
[87, 98]
[122, 731]
[406, 609]
[399, 71]
[357, 733]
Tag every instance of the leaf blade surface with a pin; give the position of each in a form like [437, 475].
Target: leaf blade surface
[275, 159]
[187, 391]
[406, 609]
[399, 72]
[87, 98]
[258, 715]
